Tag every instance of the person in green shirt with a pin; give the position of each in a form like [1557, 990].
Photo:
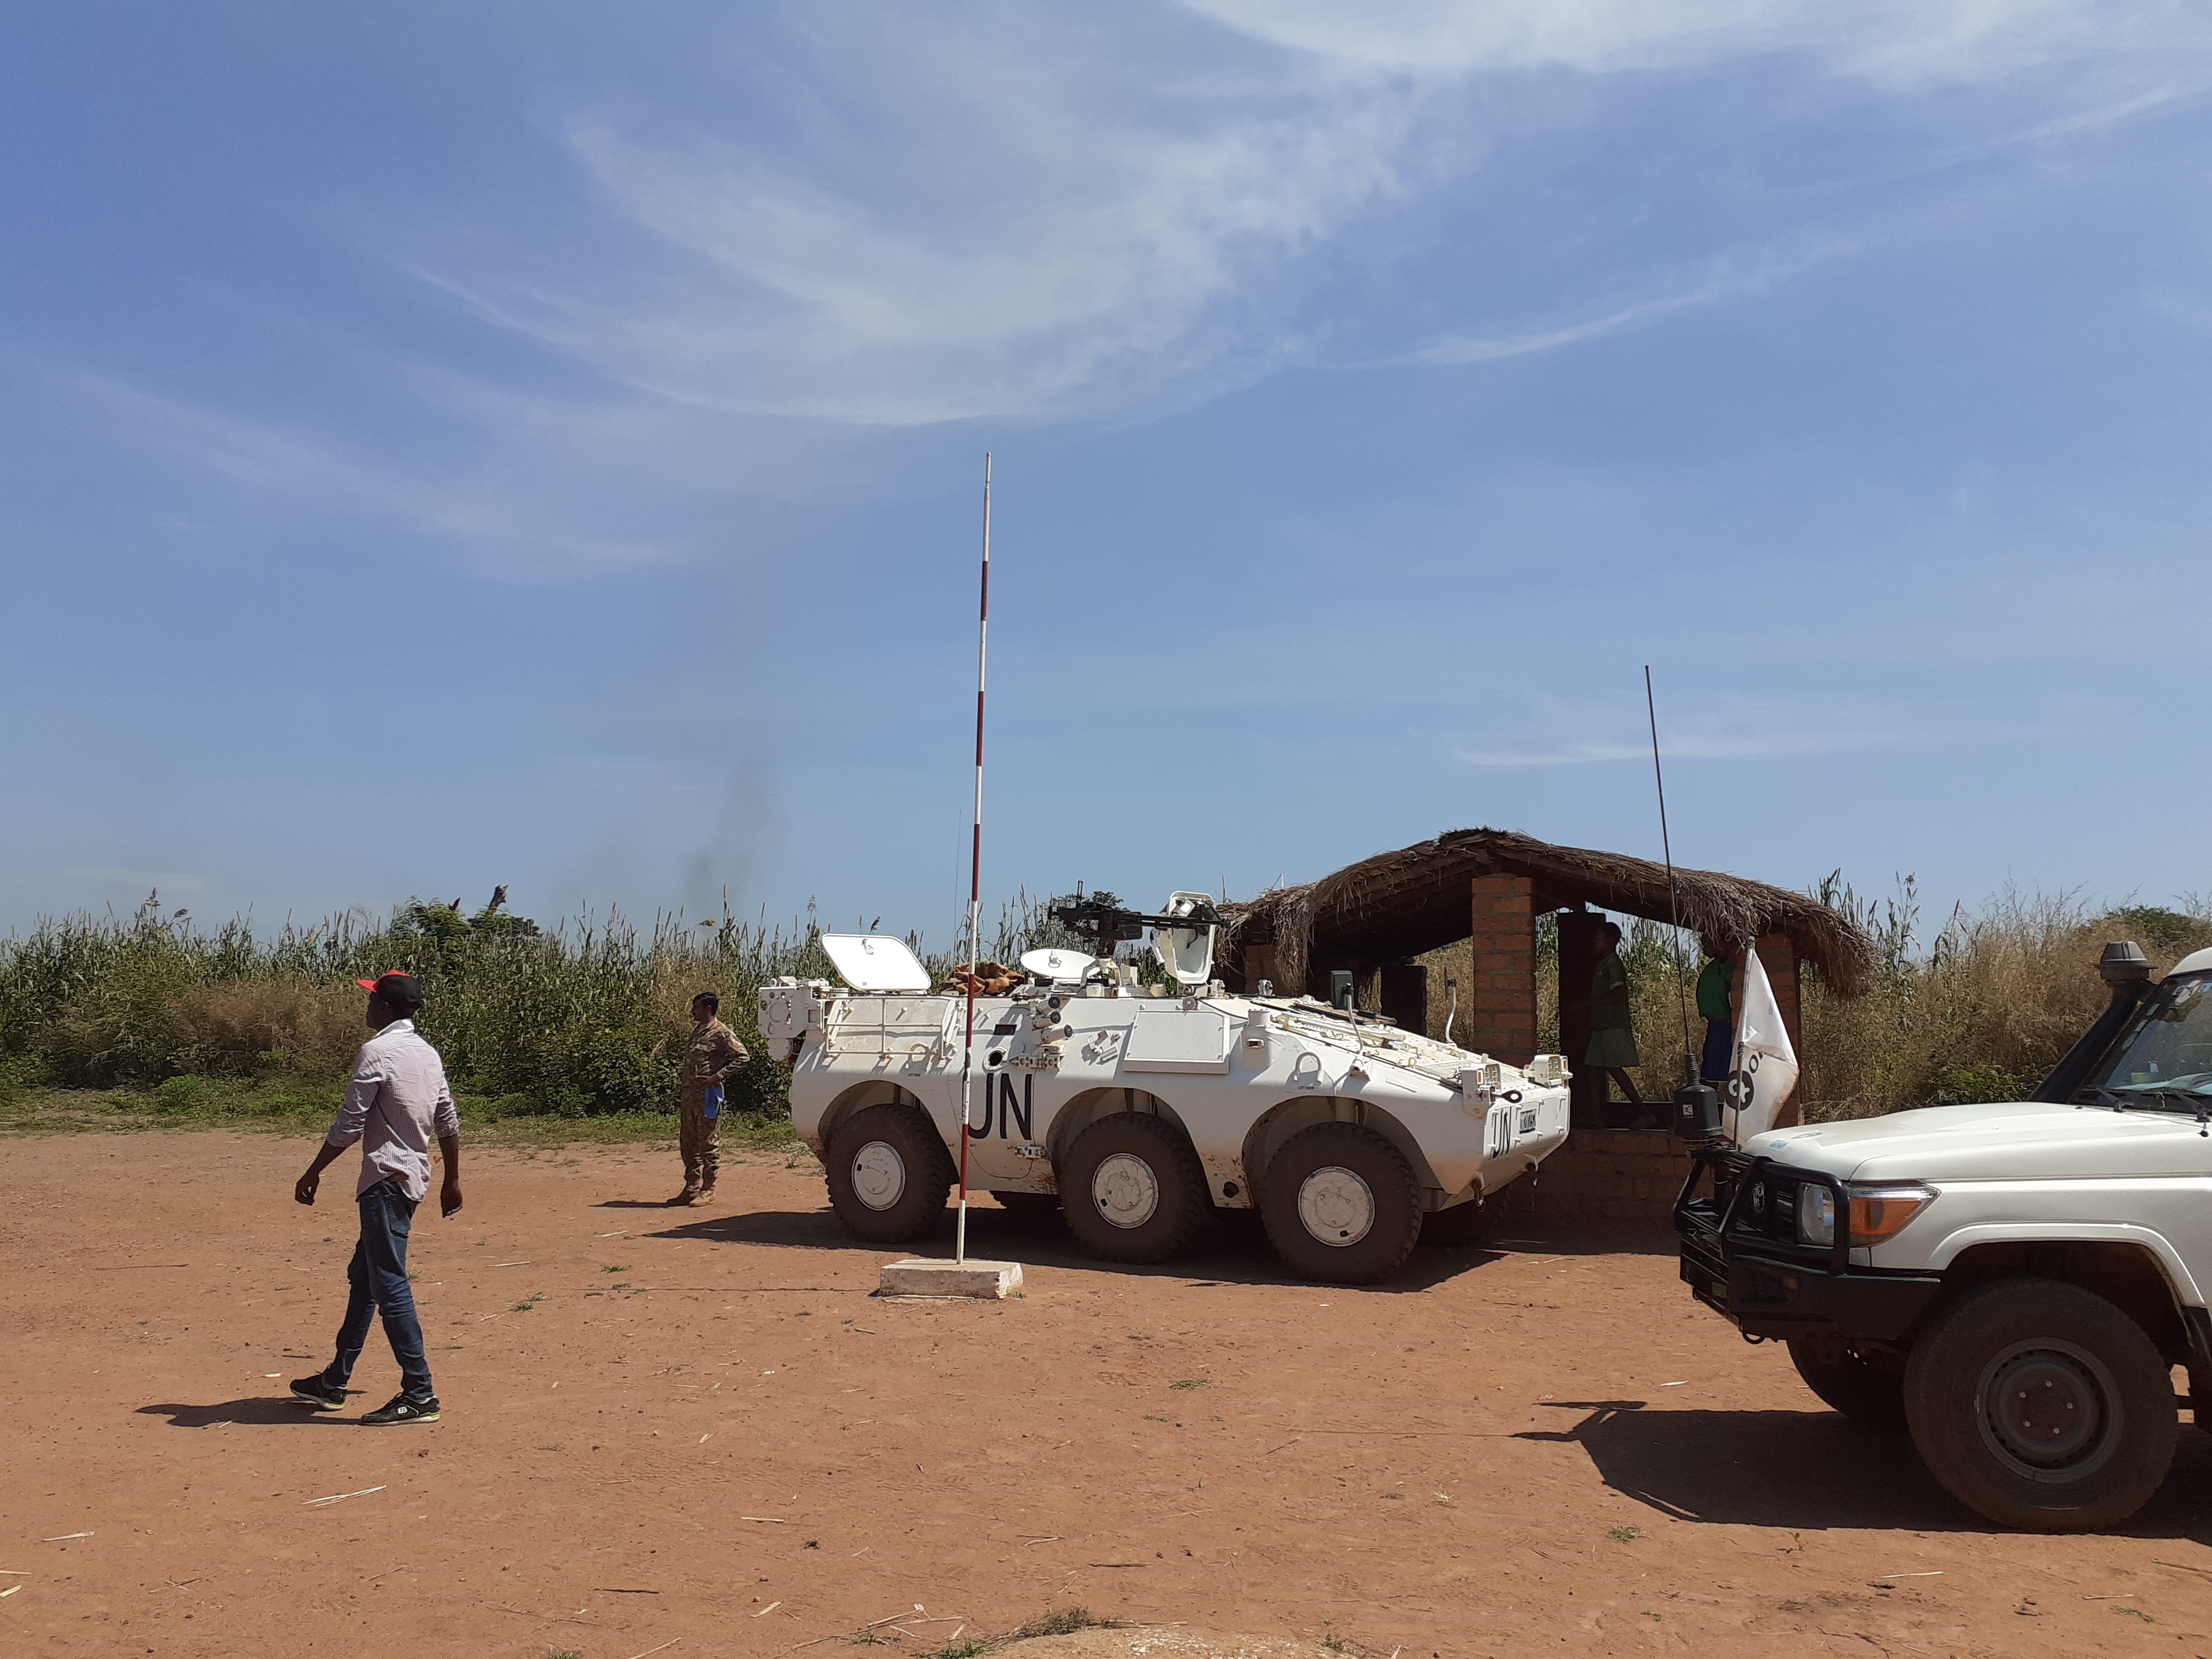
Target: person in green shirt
[1716, 984]
[1612, 1027]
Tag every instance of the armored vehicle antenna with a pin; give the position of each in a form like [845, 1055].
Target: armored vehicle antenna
[1697, 1108]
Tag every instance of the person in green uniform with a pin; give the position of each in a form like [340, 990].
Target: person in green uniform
[1716, 987]
[1612, 1027]
[713, 1055]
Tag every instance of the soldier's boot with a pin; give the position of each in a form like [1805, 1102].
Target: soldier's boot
[689, 1195]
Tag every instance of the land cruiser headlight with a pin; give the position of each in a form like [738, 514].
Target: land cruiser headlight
[1878, 1213]
[1816, 1214]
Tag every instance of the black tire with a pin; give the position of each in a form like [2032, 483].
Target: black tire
[899, 1141]
[1145, 1210]
[1374, 1215]
[1461, 1227]
[1029, 1206]
[2021, 1355]
[1862, 1390]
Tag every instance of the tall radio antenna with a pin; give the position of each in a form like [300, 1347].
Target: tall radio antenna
[976, 872]
[1673, 900]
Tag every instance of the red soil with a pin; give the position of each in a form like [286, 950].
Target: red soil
[1545, 1448]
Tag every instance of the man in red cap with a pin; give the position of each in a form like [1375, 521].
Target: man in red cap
[396, 1102]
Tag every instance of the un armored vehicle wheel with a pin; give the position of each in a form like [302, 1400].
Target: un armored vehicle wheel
[1133, 1189]
[1861, 1390]
[2040, 1405]
[889, 1174]
[1342, 1204]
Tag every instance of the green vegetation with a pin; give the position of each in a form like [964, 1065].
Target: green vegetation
[1623, 1535]
[582, 1024]
[1190, 1383]
[574, 1033]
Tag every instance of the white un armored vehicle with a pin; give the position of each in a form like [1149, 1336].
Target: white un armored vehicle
[1138, 1109]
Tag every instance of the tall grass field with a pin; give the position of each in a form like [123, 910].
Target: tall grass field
[575, 1031]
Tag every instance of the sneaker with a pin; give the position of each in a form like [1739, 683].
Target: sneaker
[313, 1391]
[706, 1193]
[401, 1409]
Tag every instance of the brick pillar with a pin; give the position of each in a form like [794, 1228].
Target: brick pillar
[1501, 1005]
[1779, 957]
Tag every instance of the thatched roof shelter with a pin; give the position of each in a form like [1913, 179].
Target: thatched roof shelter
[1396, 905]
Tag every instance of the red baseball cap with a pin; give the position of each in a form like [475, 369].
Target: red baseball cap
[396, 985]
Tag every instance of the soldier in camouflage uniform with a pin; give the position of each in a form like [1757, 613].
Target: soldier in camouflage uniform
[712, 1054]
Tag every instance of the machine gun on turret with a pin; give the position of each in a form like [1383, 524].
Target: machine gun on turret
[1102, 921]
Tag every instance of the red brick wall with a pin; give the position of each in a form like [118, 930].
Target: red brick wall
[1501, 1014]
[1601, 1180]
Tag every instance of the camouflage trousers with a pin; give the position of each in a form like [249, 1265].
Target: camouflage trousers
[700, 1137]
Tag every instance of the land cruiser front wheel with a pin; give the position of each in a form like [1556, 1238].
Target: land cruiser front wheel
[2040, 1406]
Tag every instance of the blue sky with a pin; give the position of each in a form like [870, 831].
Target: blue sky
[541, 444]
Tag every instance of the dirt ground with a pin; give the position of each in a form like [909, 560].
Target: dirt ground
[693, 1432]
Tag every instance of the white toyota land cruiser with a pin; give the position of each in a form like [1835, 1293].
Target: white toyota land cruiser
[2014, 1284]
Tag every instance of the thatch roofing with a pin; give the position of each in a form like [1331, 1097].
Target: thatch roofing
[1399, 904]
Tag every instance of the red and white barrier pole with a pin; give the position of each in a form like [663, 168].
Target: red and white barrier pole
[974, 871]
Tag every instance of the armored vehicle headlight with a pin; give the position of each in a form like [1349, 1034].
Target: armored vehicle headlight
[1880, 1212]
[1816, 1214]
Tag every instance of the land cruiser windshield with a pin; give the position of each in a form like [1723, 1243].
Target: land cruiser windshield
[2164, 1058]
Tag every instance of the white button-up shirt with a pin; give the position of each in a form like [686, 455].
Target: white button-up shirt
[397, 1103]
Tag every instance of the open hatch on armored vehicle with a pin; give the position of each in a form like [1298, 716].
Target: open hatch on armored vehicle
[1137, 1112]
[2012, 1283]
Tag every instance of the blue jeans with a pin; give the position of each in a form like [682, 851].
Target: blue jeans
[377, 1279]
[1720, 1051]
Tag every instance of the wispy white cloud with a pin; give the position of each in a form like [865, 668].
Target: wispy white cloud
[525, 489]
[1738, 275]
[1746, 732]
[1893, 43]
[761, 292]
[1058, 232]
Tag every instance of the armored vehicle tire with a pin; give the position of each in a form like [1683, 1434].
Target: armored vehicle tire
[889, 1174]
[1133, 1189]
[1460, 1227]
[1029, 1206]
[1342, 1204]
[2040, 1406]
[1861, 1391]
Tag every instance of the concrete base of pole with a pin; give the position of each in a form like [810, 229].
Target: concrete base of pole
[982, 1281]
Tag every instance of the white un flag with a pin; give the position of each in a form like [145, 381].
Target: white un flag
[1765, 1068]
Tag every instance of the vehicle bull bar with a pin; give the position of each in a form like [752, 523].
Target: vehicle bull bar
[1740, 1255]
